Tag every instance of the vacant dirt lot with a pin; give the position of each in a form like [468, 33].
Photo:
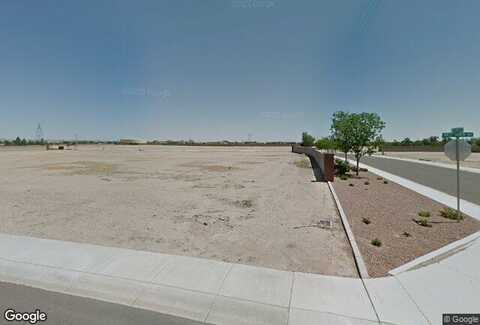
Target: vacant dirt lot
[247, 205]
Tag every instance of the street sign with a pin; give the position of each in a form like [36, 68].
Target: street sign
[457, 133]
[457, 150]
[464, 150]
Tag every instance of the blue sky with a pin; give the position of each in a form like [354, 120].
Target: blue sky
[210, 70]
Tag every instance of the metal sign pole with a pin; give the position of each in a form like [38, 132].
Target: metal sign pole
[458, 180]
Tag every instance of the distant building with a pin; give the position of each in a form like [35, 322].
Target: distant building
[132, 141]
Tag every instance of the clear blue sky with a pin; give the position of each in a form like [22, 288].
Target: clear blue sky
[207, 70]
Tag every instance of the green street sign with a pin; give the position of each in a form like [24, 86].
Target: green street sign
[457, 133]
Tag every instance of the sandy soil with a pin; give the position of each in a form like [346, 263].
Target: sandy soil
[473, 161]
[247, 205]
[390, 209]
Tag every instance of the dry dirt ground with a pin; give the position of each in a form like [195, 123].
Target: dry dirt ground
[247, 205]
[473, 161]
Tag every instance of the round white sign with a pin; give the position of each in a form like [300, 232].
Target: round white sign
[464, 150]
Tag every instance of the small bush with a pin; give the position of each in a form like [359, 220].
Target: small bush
[351, 184]
[366, 221]
[451, 214]
[367, 183]
[406, 234]
[385, 182]
[423, 222]
[379, 178]
[424, 214]
[376, 242]
[341, 167]
[344, 177]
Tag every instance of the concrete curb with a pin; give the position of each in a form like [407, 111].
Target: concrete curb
[359, 262]
[437, 254]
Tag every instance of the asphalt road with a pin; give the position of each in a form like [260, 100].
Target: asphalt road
[439, 178]
[64, 309]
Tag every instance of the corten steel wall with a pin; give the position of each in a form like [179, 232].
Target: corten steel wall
[322, 163]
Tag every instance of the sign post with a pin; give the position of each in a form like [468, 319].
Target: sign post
[457, 150]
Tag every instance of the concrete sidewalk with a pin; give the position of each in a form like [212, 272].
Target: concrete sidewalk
[224, 293]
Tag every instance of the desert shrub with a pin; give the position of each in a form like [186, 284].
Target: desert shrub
[367, 183]
[341, 167]
[376, 242]
[385, 182]
[406, 234]
[366, 221]
[424, 214]
[423, 222]
[451, 214]
[351, 184]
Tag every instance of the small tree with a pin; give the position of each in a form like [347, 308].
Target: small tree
[307, 140]
[340, 133]
[364, 130]
[325, 143]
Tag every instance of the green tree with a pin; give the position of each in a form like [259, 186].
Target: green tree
[357, 132]
[307, 140]
[340, 133]
[406, 142]
[17, 141]
[365, 129]
[325, 143]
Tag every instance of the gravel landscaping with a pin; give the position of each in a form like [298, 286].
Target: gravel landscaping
[381, 216]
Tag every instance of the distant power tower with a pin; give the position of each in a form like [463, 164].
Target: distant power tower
[39, 133]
